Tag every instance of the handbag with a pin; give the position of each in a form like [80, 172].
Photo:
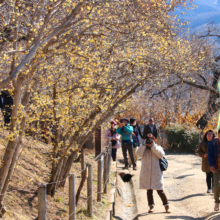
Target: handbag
[163, 164]
[113, 143]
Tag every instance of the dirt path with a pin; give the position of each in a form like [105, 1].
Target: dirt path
[185, 187]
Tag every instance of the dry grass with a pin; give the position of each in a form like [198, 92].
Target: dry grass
[32, 168]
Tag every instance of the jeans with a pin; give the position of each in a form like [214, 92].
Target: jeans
[128, 147]
[209, 180]
[150, 197]
[216, 186]
[135, 155]
[114, 153]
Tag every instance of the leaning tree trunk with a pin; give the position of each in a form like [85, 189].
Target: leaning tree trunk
[10, 149]
[17, 148]
[212, 107]
[67, 167]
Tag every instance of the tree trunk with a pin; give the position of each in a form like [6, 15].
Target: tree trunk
[67, 167]
[14, 159]
[9, 152]
[51, 185]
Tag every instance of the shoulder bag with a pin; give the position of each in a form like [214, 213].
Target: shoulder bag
[163, 164]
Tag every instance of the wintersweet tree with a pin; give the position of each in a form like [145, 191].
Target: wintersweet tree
[80, 60]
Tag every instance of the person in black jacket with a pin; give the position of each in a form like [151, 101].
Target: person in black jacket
[135, 135]
[6, 103]
[150, 128]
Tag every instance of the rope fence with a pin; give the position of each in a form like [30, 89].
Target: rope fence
[104, 170]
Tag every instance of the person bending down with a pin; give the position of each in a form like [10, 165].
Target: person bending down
[151, 176]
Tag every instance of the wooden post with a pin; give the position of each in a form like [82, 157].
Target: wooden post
[89, 191]
[42, 202]
[110, 214]
[105, 174]
[109, 160]
[82, 161]
[99, 182]
[72, 197]
[113, 207]
[98, 141]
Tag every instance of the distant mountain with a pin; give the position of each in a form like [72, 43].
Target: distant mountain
[207, 11]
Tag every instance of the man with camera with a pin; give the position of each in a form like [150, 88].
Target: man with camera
[125, 130]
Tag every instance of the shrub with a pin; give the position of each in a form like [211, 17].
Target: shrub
[182, 138]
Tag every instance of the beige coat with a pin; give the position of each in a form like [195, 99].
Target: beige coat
[203, 149]
[151, 176]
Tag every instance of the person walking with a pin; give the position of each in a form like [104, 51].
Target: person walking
[135, 135]
[114, 138]
[150, 128]
[151, 176]
[214, 163]
[203, 153]
[125, 130]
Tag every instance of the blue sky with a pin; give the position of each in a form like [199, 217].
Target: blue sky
[207, 11]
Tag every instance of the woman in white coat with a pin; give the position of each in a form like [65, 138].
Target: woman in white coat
[151, 176]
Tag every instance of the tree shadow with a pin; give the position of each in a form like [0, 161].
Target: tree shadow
[187, 197]
[183, 176]
[212, 216]
[146, 214]
[117, 217]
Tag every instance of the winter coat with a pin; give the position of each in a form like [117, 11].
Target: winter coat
[135, 135]
[109, 136]
[147, 130]
[6, 100]
[151, 176]
[125, 132]
[213, 152]
[203, 149]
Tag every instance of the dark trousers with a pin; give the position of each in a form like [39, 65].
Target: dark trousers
[150, 197]
[128, 147]
[7, 116]
[114, 153]
[210, 180]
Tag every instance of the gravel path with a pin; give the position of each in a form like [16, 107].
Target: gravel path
[185, 187]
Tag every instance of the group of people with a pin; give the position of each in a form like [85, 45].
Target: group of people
[151, 176]
[209, 150]
[130, 134]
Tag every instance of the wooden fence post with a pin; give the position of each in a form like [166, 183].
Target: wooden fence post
[109, 160]
[98, 141]
[72, 197]
[105, 174]
[42, 202]
[99, 182]
[82, 161]
[89, 191]
[111, 215]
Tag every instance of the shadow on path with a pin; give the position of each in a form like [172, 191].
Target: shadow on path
[212, 216]
[183, 176]
[187, 197]
[146, 214]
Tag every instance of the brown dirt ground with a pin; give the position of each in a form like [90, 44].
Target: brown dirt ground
[185, 187]
[33, 168]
